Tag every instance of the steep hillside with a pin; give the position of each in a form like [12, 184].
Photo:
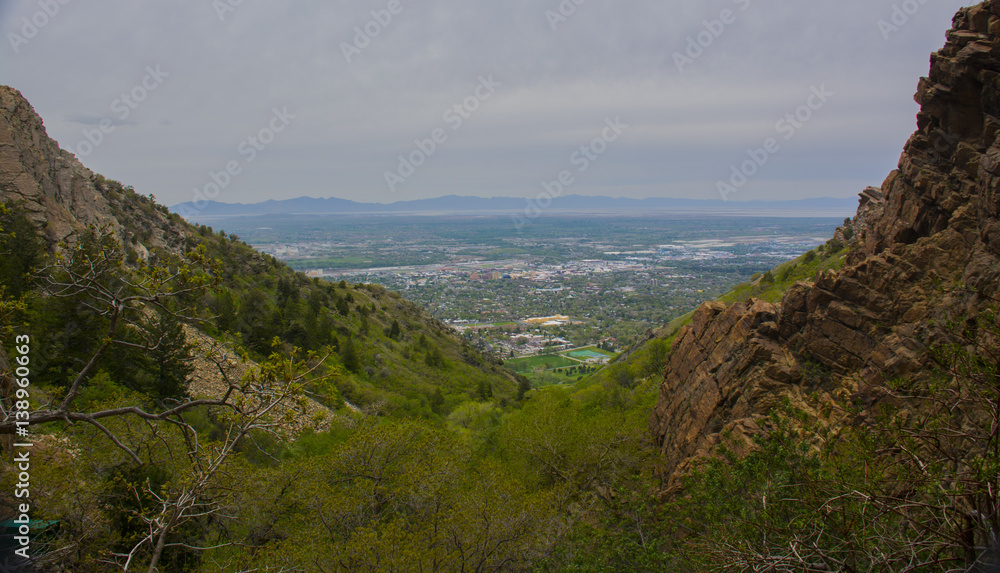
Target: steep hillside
[390, 354]
[924, 252]
[155, 448]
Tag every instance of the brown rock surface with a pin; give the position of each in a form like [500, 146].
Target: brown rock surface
[926, 247]
[206, 381]
[63, 197]
[58, 192]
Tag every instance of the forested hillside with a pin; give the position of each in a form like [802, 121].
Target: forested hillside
[839, 413]
[448, 466]
[428, 456]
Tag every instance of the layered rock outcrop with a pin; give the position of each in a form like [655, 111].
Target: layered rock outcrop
[926, 248]
[61, 195]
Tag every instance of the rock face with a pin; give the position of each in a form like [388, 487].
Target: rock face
[926, 247]
[62, 197]
[58, 193]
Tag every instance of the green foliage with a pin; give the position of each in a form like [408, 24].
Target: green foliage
[834, 246]
[434, 358]
[485, 390]
[622, 375]
[653, 361]
[529, 490]
[21, 250]
[463, 467]
[400, 497]
[523, 387]
[785, 273]
[395, 331]
[131, 492]
[437, 401]
[627, 536]
[349, 356]
[584, 440]
[157, 363]
[774, 284]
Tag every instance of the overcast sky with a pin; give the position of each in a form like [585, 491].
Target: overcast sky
[697, 82]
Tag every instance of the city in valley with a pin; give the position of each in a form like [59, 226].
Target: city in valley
[561, 295]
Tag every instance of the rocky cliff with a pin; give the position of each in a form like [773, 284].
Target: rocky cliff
[926, 248]
[61, 195]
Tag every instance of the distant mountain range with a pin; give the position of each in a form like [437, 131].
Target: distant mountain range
[517, 206]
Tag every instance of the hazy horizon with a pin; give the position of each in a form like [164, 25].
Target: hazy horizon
[492, 197]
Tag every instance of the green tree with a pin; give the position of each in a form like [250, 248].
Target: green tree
[349, 356]
[255, 317]
[435, 358]
[365, 326]
[342, 307]
[437, 401]
[785, 272]
[523, 387]
[170, 358]
[225, 310]
[287, 295]
[622, 375]
[395, 331]
[154, 360]
[656, 352]
[398, 497]
[21, 249]
[485, 390]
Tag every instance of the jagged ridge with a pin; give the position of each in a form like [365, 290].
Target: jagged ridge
[927, 247]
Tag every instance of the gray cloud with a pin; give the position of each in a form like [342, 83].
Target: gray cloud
[353, 120]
